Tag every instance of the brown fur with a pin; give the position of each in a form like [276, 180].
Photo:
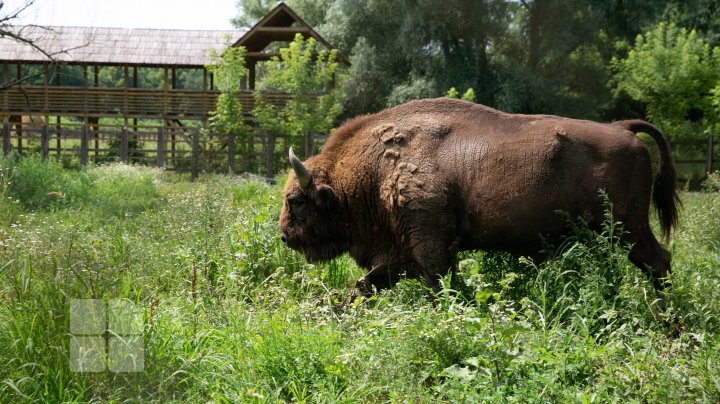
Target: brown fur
[403, 190]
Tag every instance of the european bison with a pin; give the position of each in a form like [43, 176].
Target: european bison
[404, 189]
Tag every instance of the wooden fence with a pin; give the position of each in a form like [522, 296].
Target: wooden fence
[169, 146]
[121, 102]
[699, 162]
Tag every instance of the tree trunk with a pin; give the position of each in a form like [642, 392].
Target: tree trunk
[536, 10]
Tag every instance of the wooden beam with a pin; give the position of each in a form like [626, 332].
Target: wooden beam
[261, 55]
[285, 30]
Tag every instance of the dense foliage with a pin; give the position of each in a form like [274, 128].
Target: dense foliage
[227, 119]
[308, 75]
[531, 56]
[231, 315]
[673, 71]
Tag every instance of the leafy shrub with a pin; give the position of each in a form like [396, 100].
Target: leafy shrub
[115, 189]
[712, 182]
[123, 189]
[40, 184]
[9, 208]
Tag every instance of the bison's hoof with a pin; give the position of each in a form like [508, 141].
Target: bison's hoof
[364, 288]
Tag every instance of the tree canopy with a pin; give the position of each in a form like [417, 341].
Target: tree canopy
[531, 56]
[306, 74]
[673, 71]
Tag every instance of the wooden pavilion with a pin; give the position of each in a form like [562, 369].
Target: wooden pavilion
[82, 90]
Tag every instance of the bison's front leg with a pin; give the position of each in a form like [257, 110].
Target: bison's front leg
[378, 278]
[434, 261]
[434, 245]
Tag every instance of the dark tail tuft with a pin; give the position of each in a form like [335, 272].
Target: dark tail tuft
[665, 195]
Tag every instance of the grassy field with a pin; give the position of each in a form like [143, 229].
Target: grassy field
[230, 315]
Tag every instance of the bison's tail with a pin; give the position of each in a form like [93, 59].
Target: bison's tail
[665, 196]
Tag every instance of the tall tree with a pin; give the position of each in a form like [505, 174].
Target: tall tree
[307, 75]
[672, 71]
[703, 16]
[227, 119]
[545, 56]
[556, 54]
[314, 12]
[434, 45]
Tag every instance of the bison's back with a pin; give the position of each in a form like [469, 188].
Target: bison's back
[511, 182]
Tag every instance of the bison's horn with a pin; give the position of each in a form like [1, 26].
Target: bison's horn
[301, 172]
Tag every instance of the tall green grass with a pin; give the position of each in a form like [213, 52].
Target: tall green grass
[231, 315]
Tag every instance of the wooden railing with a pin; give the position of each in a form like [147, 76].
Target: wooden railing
[119, 102]
[168, 146]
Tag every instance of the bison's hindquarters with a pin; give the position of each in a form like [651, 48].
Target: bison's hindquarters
[646, 252]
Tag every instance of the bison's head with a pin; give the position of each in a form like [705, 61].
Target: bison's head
[311, 220]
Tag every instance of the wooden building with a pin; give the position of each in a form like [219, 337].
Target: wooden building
[82, 90]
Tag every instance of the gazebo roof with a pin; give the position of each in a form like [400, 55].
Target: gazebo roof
[117, 46]
[280, 24]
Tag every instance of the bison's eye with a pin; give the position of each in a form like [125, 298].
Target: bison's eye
[298, 207]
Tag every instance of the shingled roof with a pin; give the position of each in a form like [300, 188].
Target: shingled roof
[117, 46]
[280, 24]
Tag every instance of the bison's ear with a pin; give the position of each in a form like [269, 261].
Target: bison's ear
[325, 197]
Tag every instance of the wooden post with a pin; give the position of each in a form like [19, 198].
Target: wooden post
[95, 126]
[19, 133]
[251, 75]
[173, 141]
[46, 84]
[231, 152]
[269, 154]
[165, 92]
[709, 156]
[84, 144]
[195, 159]
[126, 83]
[161, 147]
[44, 141]
[6, 138]
[58, 135]
[124, 145]
[6, 79]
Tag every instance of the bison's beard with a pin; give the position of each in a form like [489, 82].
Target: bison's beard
[317, 242]
[322, 253]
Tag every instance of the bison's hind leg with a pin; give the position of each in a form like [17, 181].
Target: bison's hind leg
[647, 254]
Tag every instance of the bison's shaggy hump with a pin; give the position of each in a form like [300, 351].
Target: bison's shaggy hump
[402, 190]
